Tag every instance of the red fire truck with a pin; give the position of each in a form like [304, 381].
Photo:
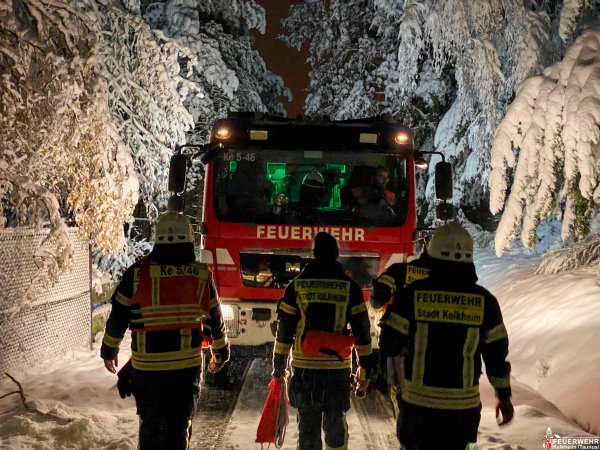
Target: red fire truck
[271, 184]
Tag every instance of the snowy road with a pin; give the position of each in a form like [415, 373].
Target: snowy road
[370, 422]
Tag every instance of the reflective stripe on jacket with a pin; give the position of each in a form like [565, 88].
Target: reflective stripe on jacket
[395, 277]
[162, 299]
[169, 298]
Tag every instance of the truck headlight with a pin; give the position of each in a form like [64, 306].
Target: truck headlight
[228, 312]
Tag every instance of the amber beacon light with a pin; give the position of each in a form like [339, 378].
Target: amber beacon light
[402, 138]
[223, 133]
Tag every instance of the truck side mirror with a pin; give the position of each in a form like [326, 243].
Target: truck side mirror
[177, 171]
[443, 180]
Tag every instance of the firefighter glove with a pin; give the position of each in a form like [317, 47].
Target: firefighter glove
[504, 407]
[218, 359]
[223, 352]
[361, 384]
[125, 380]
[368, 363]
[280, 363]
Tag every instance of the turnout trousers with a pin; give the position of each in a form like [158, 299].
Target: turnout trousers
[322, 398]
[166, 401]
[421, 428]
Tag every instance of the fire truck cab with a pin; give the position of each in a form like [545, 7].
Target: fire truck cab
[271, 184]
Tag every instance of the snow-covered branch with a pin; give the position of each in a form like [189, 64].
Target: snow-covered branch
[553, 126]
[58, 133]
[94, 97]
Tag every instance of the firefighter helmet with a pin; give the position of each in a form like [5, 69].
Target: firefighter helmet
[173, 228]
[314, 180]
[451, 242]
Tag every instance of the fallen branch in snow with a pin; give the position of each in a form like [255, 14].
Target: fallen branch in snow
[582, 254]
[20, 392]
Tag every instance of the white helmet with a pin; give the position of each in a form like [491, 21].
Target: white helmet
[314, 180]
[451, 242]
[173, 228]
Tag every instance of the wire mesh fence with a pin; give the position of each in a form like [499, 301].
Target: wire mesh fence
[58, 320]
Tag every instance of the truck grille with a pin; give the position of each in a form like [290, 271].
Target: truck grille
[276, 268]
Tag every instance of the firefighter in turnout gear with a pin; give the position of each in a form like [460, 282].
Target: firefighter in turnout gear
[168, 302]
[321, 317]
[397, 276]
[385, 288]
[449, 323]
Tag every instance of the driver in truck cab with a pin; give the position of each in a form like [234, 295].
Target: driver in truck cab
[377, 191]
[374, 201]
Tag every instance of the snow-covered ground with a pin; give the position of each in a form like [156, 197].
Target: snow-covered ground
[554, 328]
[553, 324]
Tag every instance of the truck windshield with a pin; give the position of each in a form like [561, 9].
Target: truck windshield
[310, 187]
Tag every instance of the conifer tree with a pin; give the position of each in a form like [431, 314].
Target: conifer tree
[549, 140]
[448, 69]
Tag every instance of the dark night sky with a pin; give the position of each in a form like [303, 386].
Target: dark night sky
[281, 60]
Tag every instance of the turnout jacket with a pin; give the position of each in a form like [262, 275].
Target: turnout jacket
[322, 299]
[449, 323]
[170, 308]
[395, 277]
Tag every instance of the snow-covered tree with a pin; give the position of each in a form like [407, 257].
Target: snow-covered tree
[582, 254]
[93, 101]
[549, 145]
[448, 69]
[342, 53]
[230, 75]
[577, 15]
[105, 86]
[60, 153]
[144, 76]
[491, 46]
[89, 112]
